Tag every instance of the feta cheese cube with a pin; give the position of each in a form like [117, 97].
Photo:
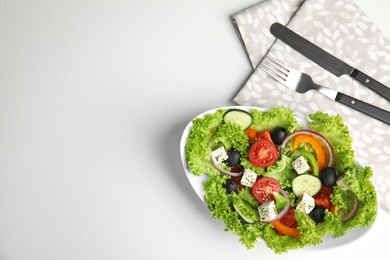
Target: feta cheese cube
[248, 178]
[219, 155]
[306, 203]
[267, 211]
[300, 165]
[341, 182]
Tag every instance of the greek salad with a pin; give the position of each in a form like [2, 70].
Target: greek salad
[270, 179]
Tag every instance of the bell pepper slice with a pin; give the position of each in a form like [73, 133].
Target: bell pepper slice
[311, 159]
[285, 230]
[319, 150]
[251, 132]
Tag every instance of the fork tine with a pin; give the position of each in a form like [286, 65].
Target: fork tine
[274, 74]
[282, 68]
[275, 69]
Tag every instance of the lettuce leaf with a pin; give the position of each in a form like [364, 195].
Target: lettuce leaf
[230, 135]
[282, 171]
[274, 117]
[246, 195]
[219, 204]
[197, 148]
[337, 133]
[207, 134]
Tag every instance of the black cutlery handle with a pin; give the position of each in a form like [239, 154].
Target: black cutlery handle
[371, 83]
[363, 107]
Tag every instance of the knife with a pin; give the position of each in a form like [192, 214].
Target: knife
[325, 59]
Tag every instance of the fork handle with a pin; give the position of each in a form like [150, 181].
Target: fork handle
[363, 107]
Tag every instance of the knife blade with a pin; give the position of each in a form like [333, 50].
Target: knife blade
[325, 59]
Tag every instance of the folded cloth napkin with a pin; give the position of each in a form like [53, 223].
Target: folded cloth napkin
[341, 28]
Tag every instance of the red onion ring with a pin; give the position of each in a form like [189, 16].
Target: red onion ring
[314, 134]
[233, 174]
[284, 211]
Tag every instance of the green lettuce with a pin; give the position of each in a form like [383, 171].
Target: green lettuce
[219, 204]
[246, 195]
[337, 133]
[207, 134]
[197, 148]
[230, 135]
[274, 117]
[282, 171]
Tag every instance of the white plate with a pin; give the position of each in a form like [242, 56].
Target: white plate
[197, 182]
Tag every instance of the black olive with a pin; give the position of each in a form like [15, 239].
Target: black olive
[318, 214]
[328, 176]
[230, 186]
[234, 157]
[278, 134]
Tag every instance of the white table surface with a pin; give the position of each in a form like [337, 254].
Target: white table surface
[94, 96]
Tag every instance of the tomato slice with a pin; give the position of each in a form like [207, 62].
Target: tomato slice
[289, 219]
[322, 198]
[263, 153]
[287, 225]
[264, 135]
[319, 150]
[264, 188]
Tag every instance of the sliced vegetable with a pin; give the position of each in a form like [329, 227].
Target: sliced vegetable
[287, 225]
[281, 201]
[263, 153]
[320, 154]
[285, 230]
[352, 209]
[289, 219]
[315, 135]
[251, 132]
[264, 188]
[306, 183]
[284, 206]
[245, 210]
[322, 198]
[239, 117]
[264, 135]
[310, 158]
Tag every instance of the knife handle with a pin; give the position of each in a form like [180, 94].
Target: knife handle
[363, 107]
[371, 83]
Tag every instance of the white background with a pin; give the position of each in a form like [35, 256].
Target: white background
[94, 96]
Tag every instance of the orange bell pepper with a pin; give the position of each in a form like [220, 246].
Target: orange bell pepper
[319, 150]
[251, 134]
[285, 230]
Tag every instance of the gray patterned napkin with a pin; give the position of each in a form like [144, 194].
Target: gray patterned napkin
[342, 29]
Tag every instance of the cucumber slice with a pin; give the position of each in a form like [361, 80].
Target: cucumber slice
[306, 183]
[245, 210]
[239, 117]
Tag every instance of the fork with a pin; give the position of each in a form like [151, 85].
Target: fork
[301, 83]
